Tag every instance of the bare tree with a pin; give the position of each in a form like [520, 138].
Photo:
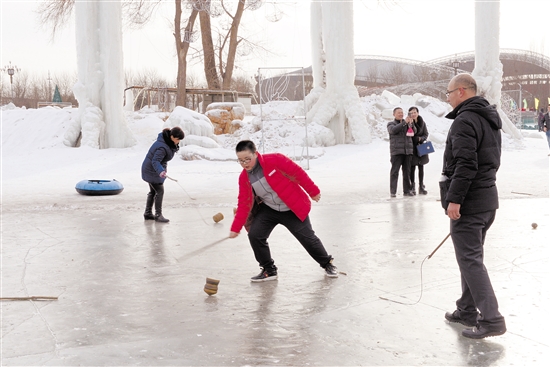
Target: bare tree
[395, 74]
[207, 44]
[55, 13]
[21, 85]
[242, 84]
[219, 61]
[182, 49]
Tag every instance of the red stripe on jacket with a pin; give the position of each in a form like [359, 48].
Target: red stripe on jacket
[286, 178]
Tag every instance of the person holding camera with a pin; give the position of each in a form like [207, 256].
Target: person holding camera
[401, 150]
[420, 136]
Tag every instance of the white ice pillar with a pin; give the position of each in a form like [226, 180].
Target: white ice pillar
[488, 68]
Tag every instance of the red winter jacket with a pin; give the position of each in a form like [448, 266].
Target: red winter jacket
[286, 178]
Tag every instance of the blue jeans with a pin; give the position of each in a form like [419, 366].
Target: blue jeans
[548, 137]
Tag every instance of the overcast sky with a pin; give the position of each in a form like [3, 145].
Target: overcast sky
[414, 29]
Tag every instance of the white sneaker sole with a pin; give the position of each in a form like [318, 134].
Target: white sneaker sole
[264, 279]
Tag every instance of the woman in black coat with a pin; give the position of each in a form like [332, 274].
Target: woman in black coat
[420, 136]
[153, 170]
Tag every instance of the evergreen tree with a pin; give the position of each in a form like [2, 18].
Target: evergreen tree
[56, 95]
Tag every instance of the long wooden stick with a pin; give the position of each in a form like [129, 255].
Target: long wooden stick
[437, 248]
[30, 298]
[202, 249]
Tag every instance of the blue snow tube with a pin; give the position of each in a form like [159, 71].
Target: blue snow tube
[99, 187]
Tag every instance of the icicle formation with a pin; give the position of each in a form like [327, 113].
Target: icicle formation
[334, 102]
[100, 88]
[488, 68]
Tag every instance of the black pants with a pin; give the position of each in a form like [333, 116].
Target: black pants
[420, 175]
[468, 234]
[402, 161]
[263, 224]
[157, 192]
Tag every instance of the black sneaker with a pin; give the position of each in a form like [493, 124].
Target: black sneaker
[264, 276]
[480, 332]
[331, 271]
[453, 317]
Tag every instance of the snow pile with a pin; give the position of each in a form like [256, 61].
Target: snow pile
[200, 141]
[236, 108]
[24, 130]
[280, 126]
[191, 122]
[379, 111]
[276, 126]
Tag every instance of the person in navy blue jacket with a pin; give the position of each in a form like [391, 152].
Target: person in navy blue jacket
[153, 170]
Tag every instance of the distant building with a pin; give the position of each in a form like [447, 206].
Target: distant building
[404, 76]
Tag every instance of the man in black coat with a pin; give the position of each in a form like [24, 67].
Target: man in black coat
[546, 125]
[470, 197]
[401, 150]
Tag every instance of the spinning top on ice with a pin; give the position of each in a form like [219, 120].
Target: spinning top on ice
[217, 217]
[534, 225]
[211, 286]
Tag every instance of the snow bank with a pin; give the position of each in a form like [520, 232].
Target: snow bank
[191, 122]
[27, 130]
[281, 128]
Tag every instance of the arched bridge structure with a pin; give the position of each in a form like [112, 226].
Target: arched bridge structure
[522, 70]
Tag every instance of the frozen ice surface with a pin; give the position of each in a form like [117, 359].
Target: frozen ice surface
[131, 292]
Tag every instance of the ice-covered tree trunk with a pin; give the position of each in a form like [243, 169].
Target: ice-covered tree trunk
[488, 68]
[334, 101]
[100, 86]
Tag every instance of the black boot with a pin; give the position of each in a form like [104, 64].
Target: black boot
[158, 211]
[422, 190]
[148, 215]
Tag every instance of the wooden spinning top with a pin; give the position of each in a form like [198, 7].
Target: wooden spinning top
[217, 217]
[211, 286]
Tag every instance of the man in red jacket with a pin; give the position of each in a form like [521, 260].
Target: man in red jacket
[272, 190]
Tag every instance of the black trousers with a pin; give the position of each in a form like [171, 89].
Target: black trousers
[468, 234]
[157, 192]
[263, 224]
[402, 161]
[420, 175]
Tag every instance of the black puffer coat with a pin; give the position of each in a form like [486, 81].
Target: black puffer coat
[400, 143]
[420, 137]
[472, 156]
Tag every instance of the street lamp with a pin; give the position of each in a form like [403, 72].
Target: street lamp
[456, 65]
[11, 69]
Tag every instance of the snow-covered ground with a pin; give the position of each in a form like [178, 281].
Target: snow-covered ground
[39, 172]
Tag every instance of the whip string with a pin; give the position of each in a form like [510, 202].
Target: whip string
[421, 277]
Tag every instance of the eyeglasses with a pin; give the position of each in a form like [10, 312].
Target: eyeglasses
[245, 161]
[448, 93]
